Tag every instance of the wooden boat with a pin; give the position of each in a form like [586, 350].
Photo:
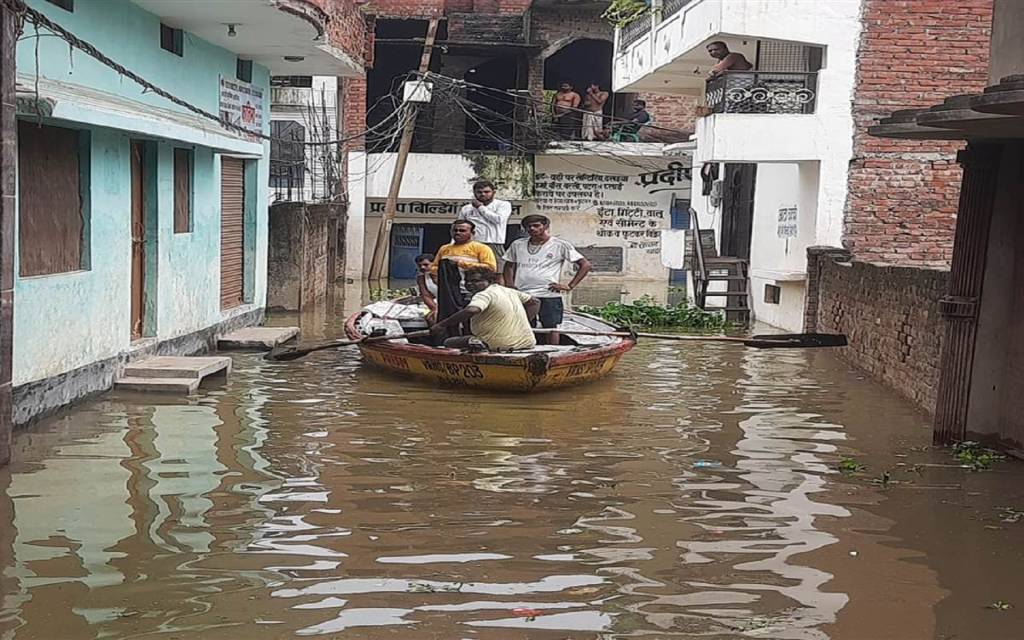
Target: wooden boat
[586, 358]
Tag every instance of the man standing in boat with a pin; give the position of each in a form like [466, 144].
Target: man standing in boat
[449, 264]
[499, 317]
[533, 265]
[490, 215]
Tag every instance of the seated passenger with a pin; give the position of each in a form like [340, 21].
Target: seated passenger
[426, 283]
[499, 317]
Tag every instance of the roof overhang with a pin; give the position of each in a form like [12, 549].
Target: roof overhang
[995, 114]
[266, 31]
[82, 105]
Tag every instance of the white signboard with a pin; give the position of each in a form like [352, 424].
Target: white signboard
[787, 222]
[242, 104]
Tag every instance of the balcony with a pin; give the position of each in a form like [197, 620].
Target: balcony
[286, 36]
[762, 92]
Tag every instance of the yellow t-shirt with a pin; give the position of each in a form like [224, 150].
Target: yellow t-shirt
[470, 254]
[502, 323]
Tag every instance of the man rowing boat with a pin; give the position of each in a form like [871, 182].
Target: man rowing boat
[499, 317]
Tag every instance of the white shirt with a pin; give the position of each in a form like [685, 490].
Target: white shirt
[490, 219]
[537, 266]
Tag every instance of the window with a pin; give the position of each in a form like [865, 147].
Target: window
[243, 70]
[67, 5]
[53, 212]
[772, 294]
[172, 39]
[304, 82]
[287, 157]
[184, 162]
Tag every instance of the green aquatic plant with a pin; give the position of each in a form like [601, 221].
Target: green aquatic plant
[978, 458]
[376, 295]
[849, 466]
[647, 314]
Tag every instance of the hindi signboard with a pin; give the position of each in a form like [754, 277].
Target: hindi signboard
[242, 104]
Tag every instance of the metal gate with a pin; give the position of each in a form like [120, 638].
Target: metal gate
[232, 231]
[406, 244]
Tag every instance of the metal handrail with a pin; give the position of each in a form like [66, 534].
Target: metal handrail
[758, 91]
[700, 272]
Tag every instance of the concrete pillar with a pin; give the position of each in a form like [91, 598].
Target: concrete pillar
[8, 156]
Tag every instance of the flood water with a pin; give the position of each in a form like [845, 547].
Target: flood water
[693, 494]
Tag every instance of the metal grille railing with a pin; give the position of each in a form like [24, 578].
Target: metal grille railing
[635, 30]
[762, 92]
[670, 7]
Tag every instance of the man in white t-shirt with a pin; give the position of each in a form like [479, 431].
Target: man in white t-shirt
[533, 265]
[490, 216]
[498, 316]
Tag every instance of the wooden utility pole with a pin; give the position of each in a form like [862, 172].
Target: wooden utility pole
[380, 248]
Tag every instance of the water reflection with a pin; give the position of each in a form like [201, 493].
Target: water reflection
[691, 494]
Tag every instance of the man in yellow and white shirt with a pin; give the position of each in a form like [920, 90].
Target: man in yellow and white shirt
[499, 317]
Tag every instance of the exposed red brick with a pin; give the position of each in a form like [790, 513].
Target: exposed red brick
[902, 201]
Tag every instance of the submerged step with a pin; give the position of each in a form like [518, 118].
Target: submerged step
[160, 385]
[197, 367]
[262, 338]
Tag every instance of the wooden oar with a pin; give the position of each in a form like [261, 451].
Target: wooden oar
[282, 354]
[764, 341]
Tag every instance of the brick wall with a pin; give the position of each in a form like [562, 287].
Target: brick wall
[890, 315]
[347, 29]
[675, 117]
[901, 207]
[430, 8]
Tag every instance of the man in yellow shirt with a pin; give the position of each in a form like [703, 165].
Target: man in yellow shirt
[499, 317]
[465, 251]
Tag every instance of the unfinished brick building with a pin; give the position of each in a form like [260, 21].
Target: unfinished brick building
[529, 46]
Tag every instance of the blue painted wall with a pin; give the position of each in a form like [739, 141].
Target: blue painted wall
[65, 321]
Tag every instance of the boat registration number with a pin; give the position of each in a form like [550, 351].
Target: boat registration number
[463, 370]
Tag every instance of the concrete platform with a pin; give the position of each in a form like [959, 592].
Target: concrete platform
[260, 338]
[171, 374]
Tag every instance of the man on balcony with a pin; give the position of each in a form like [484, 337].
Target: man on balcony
[564, 105]
[593, 116]
[727, 60]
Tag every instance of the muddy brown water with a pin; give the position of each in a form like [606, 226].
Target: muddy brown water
[693, 494]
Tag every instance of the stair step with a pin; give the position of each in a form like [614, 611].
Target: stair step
[724, 278]
[725, 260]
[178, 367]
[721, 294]
[160, 385]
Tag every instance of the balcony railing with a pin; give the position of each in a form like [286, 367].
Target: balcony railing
[635, 30]
[671, 7]
[762, 92]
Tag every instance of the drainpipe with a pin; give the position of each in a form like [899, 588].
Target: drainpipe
[8, 156]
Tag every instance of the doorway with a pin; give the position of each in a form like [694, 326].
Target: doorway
[738, 209]
[138, 231]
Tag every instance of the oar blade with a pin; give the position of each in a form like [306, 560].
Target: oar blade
[796, 340]
[284, 354]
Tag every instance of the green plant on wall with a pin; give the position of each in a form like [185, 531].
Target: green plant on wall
[513, 175]
[623, 12]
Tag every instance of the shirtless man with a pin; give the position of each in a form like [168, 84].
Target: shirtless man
[593, 105]
[563, 108]
[727, 60]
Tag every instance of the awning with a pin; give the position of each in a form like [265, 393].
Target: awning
[995, 114]
[83, 105]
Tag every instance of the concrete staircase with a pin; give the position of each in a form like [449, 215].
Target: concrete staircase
[171, 374]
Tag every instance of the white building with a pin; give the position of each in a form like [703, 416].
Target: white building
[303, 109]
[779, 136]
[614, 201]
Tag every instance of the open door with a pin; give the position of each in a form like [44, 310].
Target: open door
[738, 209]
[138, 231]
